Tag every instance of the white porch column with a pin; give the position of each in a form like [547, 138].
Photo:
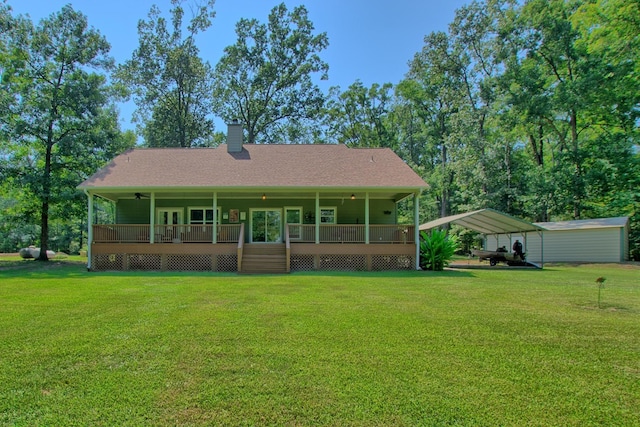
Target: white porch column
[317, 217]
[215, 217]
[152, 218]
[367, 234]
[416, 225]
[89, 230]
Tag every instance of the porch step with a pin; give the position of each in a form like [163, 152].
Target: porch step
[264, 258]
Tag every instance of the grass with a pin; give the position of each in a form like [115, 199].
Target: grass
[475, 347]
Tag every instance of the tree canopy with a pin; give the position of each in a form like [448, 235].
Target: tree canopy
[60, 122]
[171, 84]
[265, 78]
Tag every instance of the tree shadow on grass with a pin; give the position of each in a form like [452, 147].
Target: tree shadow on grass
[390, 274]
[605, 307]
[73, 268]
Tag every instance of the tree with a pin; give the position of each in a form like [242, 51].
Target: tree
[264, 79]
[59, 123]
[170, 83]
[432, 86]
[358, 116]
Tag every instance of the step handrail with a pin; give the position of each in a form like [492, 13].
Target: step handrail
[287, 246]
[240, 246]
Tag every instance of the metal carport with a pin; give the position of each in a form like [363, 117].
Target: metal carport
[490, 222]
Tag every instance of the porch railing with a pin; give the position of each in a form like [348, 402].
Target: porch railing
[352, 233]
[230, 233]
[139, 233]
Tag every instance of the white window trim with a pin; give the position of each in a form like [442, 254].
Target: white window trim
[203, 208]
[170, 210]
[251, 210]
[294, 208]
[335, 214]
[286, 224]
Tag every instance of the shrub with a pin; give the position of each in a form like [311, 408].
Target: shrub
[436, 249]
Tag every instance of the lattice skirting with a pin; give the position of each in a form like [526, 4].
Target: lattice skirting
[144, 262]
[229, 262]
[351, 262]
[170, 262]
[103, 262]
[343, 262]
[191, 262]
[302, 263]
[392, 262]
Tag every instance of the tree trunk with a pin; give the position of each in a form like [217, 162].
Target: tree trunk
[578, 182]
[444, 206]
[44, 213]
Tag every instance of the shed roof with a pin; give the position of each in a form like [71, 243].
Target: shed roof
[583, 224]
[264, 166]
[486, 221]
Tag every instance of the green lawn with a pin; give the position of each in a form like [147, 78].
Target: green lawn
[475, 347]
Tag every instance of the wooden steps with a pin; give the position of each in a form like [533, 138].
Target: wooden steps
[267, 258]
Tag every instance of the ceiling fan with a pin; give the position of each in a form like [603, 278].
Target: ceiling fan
[140, 195]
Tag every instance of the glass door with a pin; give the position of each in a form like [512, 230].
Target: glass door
[266, 226]
[167, 219]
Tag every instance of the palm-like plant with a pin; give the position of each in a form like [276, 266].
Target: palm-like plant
[436, 249]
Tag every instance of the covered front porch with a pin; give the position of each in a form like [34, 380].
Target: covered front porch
[254, 232]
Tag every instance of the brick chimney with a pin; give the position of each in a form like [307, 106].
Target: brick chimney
[234, 137]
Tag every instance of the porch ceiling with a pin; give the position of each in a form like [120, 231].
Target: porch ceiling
[387, 194]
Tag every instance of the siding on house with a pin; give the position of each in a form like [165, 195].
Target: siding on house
[600, 240]
[136, 211]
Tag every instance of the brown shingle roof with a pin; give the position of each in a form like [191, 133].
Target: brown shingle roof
[265, 166]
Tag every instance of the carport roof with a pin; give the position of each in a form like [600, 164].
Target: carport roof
[485, 221]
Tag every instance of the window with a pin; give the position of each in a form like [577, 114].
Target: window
[293, 218]
[202, 216]
[328, 215]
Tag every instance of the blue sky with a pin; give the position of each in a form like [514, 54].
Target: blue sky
[368, 40]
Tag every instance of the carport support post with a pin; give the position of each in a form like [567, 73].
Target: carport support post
[541, 233]
[416, 226]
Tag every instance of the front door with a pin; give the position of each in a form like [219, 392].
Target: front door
[266, 226]
[167, 219]
[169, 216]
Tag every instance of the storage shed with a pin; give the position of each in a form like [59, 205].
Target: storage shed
[589, 240]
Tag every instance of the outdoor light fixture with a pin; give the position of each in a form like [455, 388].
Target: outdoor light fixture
[353, 197]
[264, 196]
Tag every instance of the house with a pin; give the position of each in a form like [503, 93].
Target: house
[254, 208]
[587, 240]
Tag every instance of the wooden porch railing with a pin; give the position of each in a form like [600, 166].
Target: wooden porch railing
[139, 233]
[121, 233]
[233, 233]
[352, 233]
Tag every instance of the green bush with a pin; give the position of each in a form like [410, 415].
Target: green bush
[436, 249]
